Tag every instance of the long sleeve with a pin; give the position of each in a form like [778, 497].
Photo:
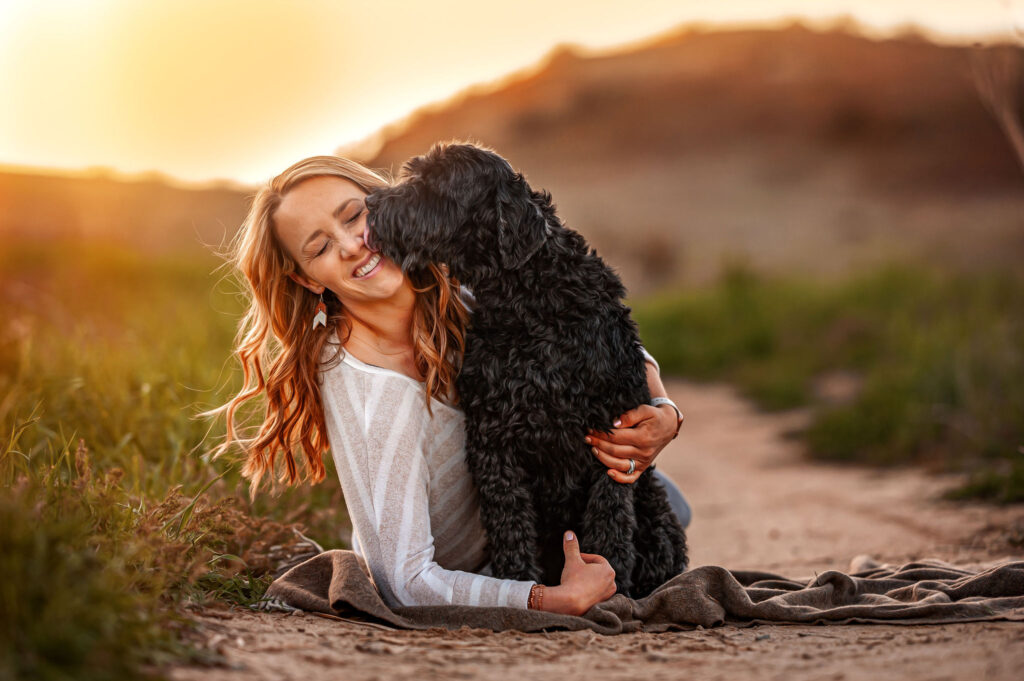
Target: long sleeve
[383, 442]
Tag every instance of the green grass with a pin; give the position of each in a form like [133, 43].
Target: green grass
[81, 589]
[941, 357]
[123, 349]
[102, 547]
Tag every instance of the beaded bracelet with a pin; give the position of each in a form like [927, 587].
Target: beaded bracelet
[536, 598]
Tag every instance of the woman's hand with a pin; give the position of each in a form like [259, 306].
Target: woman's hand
[639, 434]
[587, 579]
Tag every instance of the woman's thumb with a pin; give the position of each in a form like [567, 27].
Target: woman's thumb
[571, 547]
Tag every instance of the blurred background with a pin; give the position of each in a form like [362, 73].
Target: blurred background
[820, 202]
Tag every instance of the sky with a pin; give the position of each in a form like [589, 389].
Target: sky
[240, 89]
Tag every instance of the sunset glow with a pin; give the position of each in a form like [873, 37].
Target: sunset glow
[240, 89]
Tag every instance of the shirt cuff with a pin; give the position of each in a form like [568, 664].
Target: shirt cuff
[519, 595]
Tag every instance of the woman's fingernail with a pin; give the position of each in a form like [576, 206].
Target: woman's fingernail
[617, 423]
[587, 438]
[594, 449]
[569, 536]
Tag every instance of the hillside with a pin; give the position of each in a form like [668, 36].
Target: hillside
[145, 213]
[803, 150]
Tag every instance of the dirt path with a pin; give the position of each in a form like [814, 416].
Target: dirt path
[757, 504]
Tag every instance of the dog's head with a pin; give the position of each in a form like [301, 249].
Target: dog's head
[460, 205]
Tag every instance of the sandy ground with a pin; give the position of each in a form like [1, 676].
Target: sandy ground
[757, 504]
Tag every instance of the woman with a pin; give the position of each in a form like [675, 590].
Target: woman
[365, 365]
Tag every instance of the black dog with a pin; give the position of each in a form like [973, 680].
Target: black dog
[551, 353]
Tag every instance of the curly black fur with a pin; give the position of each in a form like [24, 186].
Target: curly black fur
[552, 353]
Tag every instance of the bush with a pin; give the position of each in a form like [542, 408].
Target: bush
[941, 356]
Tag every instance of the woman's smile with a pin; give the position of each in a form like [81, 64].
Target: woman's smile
[370, 267]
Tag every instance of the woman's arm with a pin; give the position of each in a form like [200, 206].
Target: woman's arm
[639, 434]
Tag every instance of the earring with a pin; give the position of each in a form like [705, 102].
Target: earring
[320, 318]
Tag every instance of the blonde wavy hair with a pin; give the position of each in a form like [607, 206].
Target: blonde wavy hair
[281, 354]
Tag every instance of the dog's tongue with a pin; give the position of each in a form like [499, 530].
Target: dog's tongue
[366, 240]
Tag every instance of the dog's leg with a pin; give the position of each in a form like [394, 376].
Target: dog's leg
[506, 509]
[609, 527]
[660, 541]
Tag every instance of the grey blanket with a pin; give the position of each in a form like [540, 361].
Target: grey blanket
[925, 592]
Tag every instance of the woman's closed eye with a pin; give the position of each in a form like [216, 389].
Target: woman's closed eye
[322, 250]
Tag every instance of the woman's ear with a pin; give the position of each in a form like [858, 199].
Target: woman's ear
[306, 283]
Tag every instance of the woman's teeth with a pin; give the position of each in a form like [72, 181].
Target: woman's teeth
[365, 269]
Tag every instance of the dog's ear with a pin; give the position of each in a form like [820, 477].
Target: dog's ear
[522, 228]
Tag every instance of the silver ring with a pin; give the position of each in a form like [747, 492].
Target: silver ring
[632, 467]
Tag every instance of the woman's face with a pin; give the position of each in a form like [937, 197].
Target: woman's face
[320, 222]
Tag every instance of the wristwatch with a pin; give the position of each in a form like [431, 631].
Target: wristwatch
[658, 401]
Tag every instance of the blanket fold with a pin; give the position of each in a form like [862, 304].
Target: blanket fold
[924, 592]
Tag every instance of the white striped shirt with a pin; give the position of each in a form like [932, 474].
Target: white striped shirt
[413, 506]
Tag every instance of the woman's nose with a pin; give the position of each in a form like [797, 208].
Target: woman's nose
[351, 243]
